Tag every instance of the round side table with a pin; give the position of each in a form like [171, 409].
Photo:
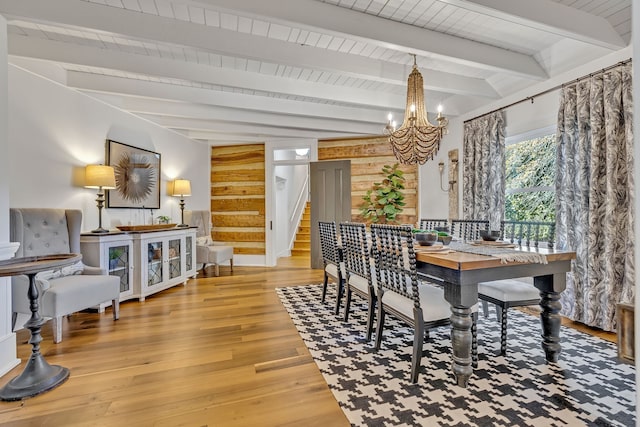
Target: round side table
[38, 376]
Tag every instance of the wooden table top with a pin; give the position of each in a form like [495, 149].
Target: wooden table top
[35, 264]
[468, 261]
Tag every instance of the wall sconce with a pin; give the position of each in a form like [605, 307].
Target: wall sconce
[182, 189]
[454, 166]
[103, 178]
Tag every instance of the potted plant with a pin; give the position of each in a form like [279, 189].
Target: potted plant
[163, 219]
[385, 200]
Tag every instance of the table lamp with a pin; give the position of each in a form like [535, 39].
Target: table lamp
[103, 178]
[182, 189]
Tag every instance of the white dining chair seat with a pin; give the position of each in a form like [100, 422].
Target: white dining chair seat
[509, 290]
[434, 306]
[362, 284]
[332, 270]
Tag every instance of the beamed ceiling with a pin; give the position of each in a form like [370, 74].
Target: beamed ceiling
[227, 71]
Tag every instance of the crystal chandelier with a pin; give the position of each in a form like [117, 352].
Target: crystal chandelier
[417, 140]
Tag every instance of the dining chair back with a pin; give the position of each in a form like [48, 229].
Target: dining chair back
[420, 305]
[431, 224]
[529, 233]
[358, 266]
[516, 292]
[331, 259]
[468, 229]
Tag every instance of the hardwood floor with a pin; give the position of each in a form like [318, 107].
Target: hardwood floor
[220, 351]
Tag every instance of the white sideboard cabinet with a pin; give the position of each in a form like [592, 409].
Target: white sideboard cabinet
[146, 261]
[112, 252]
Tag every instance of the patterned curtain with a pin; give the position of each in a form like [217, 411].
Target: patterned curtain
[595, 195]
[483, 169]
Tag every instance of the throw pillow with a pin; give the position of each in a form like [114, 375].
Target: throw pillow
[68, 270]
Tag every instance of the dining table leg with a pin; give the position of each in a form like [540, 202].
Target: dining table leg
[550, 287]
[461, 298]
[461, 338]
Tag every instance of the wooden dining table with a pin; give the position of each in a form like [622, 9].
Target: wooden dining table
[460, 273]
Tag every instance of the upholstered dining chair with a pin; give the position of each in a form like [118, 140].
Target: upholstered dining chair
[421, 305]
[358, 267]
[332, 260]
[517, 292]
[207, 251]
[468, 229]
[61, 292]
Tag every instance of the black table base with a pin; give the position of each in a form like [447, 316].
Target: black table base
[38, 376]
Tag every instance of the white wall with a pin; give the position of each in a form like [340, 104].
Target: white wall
[433, 203]
[54, 132]
[8, 359]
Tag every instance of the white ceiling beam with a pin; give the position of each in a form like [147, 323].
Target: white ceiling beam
[161, 108]
[550, 17]
[242, 128]
[243, 45]
[225, 138]
[300, 13]
[327, 18]
[124, 86]
[132, 63]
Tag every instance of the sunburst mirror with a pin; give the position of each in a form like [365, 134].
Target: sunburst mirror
[137, 174]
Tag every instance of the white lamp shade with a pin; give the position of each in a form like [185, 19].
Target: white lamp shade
[96, 176]
[181, 187]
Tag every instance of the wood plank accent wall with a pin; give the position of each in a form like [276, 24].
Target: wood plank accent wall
[238, 197]
[368, 156]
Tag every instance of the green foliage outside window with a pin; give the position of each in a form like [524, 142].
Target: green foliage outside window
[530, 180]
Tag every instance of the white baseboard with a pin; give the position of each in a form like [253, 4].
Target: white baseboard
[8, 359]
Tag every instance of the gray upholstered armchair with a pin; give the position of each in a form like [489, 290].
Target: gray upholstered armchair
[208, 252]
[62, 291]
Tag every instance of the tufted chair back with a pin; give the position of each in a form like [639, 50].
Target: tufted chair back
[45, 231]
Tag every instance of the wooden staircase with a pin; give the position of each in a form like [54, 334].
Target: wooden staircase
[302, 244]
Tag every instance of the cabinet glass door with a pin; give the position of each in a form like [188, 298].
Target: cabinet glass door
[119, 265]
[154, 265]
[175, 267]
[189, 253]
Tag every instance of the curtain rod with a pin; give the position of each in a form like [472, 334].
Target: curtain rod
[544, 92]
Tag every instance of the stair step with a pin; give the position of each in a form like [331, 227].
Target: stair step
[300, 252]
[302, 242]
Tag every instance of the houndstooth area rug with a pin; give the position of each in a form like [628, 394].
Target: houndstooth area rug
[588, 386]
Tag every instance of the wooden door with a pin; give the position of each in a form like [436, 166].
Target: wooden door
[330, 183]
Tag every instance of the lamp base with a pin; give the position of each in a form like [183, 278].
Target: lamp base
[182, 225]
[100, 230]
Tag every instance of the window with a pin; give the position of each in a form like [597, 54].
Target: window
[530, 176]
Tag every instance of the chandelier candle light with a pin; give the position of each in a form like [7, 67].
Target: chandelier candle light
[182, 189]
[103, 178]
[417, 140]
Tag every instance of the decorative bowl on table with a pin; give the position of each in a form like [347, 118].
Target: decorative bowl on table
[426, 239]
[445, 239]
[490, 235]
